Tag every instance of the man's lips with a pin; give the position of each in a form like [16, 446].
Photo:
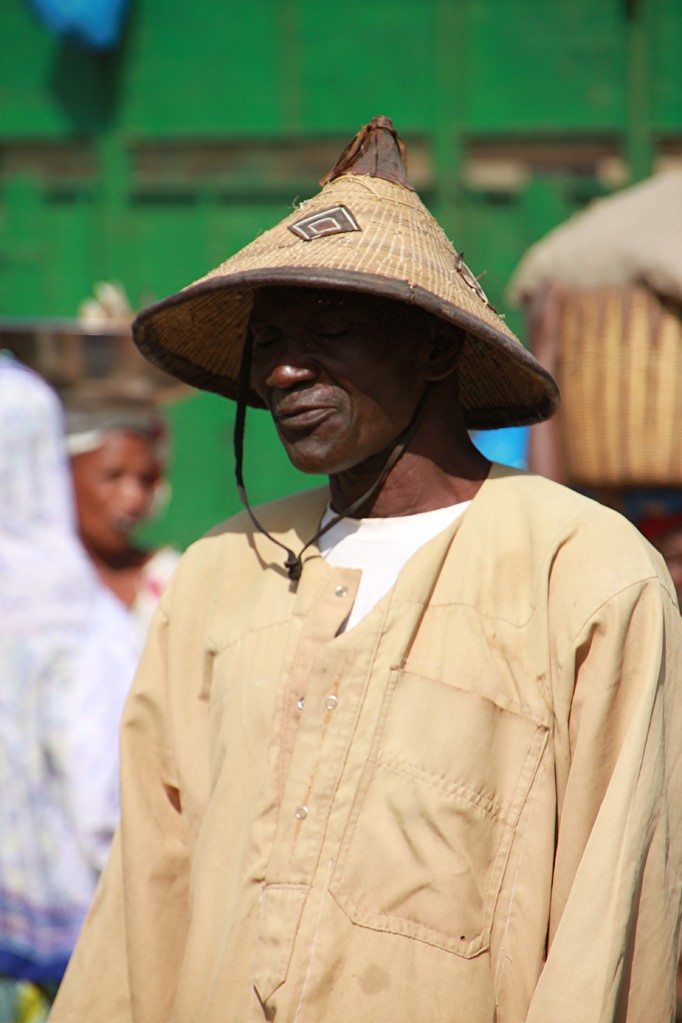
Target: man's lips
[302, 418]
[300, 413]
[125, 524]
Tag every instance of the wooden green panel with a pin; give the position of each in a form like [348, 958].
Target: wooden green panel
[666, 48]
[538, 66]
[209, 69]
[177, 238]
[27, 106]
[49, 259]
[69, 270]
[492, 240]
[167, 246]
[292, 65]
[23, 250]
[376, 58]
[500, 227]
[275, 65]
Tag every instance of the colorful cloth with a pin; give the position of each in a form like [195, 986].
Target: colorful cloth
[67, 655]
[23, 1002]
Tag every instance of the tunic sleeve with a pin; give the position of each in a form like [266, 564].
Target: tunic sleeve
[129, 953]
[616, 889]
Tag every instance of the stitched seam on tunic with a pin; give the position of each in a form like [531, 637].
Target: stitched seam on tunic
[531, 806]
[450, 788]
[313, 947]
[507, 705]
[639, 583]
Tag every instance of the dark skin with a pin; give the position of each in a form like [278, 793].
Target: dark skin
[114, 488]
[342, 374]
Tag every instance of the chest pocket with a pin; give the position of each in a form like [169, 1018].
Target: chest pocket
[429, 834]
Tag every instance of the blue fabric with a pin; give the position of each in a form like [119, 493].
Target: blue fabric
[35, 941]
[97, 23]
[643, 502]
[48, 971]
[509, 446]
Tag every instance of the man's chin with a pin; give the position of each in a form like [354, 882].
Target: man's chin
[312, 459]
[330, 454]
[311, 466]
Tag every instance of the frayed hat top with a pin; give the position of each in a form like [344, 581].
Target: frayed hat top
[366, 231]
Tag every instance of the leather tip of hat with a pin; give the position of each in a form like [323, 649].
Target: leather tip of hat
[376, 151]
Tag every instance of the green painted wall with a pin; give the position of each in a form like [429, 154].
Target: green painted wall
[155, 162]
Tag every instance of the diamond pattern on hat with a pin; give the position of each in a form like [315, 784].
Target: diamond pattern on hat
[335, 220]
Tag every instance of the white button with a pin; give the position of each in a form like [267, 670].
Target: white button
[301, 813]
[331, 702]
[300, 702]
[341, 591]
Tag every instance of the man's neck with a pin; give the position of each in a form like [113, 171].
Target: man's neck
[440, 466]
[415, 484]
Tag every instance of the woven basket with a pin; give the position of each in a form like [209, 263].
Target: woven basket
[620, 375]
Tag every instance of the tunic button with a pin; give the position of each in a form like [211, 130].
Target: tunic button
[331, 702]
[300, 702]
[301, 813]
[341, 591]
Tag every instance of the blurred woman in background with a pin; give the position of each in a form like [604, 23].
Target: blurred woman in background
[118, 453]
[67, 656]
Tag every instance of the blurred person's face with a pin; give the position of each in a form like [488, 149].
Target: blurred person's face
[114, 488]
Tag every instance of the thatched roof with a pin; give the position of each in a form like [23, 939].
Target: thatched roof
[631, 237]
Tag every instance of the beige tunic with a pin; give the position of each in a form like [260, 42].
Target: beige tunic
[465, 809]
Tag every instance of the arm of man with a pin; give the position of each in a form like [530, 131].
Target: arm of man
[614, 928]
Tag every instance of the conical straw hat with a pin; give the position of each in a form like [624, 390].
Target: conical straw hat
[365, 231]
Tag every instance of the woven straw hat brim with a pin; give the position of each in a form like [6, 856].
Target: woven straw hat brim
[399, 252]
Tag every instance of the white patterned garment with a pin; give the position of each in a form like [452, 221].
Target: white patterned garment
[67, 656]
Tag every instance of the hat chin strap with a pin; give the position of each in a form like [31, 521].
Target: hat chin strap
[293, 563]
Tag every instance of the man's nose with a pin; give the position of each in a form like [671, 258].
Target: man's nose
[135, 495]
[285, 363]
[284, 375]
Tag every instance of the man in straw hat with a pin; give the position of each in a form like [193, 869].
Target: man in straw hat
[397, 747]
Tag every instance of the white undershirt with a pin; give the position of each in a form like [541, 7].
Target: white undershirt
[380, 548]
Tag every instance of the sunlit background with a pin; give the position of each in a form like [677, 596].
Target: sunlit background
[146, 142]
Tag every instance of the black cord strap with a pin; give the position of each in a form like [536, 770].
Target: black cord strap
[292, 564]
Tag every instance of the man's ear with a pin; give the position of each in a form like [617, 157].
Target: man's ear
[443, 350]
